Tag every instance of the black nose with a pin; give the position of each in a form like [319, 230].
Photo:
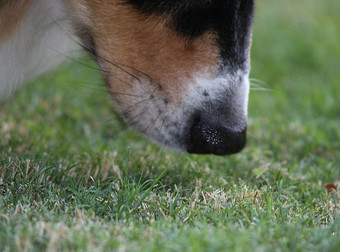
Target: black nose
[213, 137]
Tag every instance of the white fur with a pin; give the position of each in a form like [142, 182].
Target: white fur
[37, 46]
[162, 128]
[237, 84]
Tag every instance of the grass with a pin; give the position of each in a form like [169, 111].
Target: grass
[74, 177]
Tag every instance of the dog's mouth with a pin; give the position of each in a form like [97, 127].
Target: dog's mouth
[208, 118]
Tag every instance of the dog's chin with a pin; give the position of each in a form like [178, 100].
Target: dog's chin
[209, 118]
[201, 134]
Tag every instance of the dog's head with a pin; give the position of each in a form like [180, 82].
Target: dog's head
[176, 69]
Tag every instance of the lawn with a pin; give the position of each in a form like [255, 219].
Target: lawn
[74, 177]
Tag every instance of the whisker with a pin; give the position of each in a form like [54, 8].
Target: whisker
[254, 80]
[152, 123]
[257, 87]
[124, 94]
[261, 89]
[162, 125]
[75, 60]
[139, 81]
[102, 58]
[94, 68]
[120, 68]
[139, 71]
[132, 107]
[132, 120]
[90, 86]
[151, 96]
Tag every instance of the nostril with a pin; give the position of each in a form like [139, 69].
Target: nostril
[209, 137]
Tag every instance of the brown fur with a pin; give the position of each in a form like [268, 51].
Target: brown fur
[148, 45]
[11, 12]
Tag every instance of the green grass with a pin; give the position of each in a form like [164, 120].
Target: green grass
[74, 177]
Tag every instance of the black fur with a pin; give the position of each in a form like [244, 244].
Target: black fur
[230, 19]
[166, 6]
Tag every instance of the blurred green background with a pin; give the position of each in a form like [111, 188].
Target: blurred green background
[62, 148]
[296, 53]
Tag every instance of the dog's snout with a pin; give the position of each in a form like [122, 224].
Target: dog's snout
[208, 136]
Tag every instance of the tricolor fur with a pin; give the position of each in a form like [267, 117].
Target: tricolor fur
[176, 69]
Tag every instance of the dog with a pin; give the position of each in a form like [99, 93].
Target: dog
[177, 70]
